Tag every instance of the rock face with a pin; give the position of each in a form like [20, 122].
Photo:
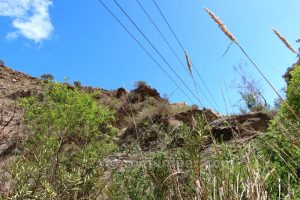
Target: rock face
[121, 92]
[144, 91]
[240, 125]
[13, 86]
[223, 128]
[189, 116]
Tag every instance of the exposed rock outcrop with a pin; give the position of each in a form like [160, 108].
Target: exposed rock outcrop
[121, 92]
[189, 116]
[240, 125]
[145, 91]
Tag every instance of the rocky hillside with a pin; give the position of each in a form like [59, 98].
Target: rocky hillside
[13, 86]
[134, 110]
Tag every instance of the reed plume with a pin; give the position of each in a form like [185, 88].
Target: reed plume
[221, 25]
[189, 64]
[284, 40]
[232, 38]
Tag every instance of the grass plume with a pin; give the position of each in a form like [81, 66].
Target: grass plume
[284, 40]
[221, 25]
[188, 62]
[232, 38]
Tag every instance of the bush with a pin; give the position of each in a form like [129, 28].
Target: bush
[47, 77]
[2, 63]
[190, 171]
[77, 84]
[251, 93]
[281, 144]
[70, 136]
[140, 84]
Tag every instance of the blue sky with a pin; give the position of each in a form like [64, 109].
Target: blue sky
[80, 40]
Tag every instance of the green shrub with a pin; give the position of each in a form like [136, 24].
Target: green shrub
[280, 146]
[145, 180]
[191, 171]
[77, 84]
[47, 77]
[293, 93]
[70, 137]
[251, 93]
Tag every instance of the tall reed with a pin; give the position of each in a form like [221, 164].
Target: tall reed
[284, 40]
[226, 31]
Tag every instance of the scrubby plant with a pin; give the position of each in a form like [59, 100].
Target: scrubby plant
[140, 84]
[190, 170]
[47, 77]
[64, 155]
[281, 144]
[77, 84]
[2, 63]
[251, 93]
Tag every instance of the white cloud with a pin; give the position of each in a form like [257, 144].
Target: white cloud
[30, 18]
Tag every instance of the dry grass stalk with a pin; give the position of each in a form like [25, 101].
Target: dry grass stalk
[282, 38]
[221, 25]
[189, 64]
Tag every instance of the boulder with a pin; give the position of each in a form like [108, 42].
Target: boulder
[189, 116]
[121, 92]
[240, 125]
[146, 91]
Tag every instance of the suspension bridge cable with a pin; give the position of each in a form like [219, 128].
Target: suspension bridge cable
[155, 49]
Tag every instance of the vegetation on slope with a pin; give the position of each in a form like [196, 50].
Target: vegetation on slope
[266, 168]
[69, 137]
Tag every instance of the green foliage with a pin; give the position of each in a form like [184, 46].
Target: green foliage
[47, 77]
[70, 137]
[190, 172]
[145, 180]
[281, 144]
[293, 93]
[77, 84]
[253, 102]
[251, 93]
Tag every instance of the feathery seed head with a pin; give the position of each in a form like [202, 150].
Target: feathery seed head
[221, 25]
[282, 38]
[189, 64]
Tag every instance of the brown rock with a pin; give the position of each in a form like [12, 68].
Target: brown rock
[189, 116]
[240, 125]
[121, 92]
[146, 91]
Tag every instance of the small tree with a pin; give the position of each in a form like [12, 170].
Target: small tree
[70, 135]
[251, 93]
[47, 77]
[77, 84]
[140, 84]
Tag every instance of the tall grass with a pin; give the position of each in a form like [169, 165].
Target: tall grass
[190, 163]
[258, 169]
[226, 31]
[284, 40]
